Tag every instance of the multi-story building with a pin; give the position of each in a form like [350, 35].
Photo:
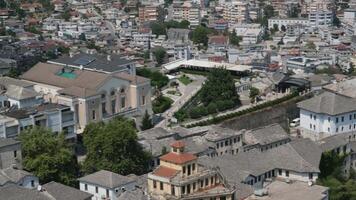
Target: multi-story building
[92, 95]
[286, 22]
[235, 12]
[328, 114]
[147, 14]
[186, 11]
[180, 176]
[58, 118]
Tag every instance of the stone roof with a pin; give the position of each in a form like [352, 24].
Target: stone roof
[299, 155]
[14, 192]
[62, 192]
[7, 81]
[106, 179]
[11, 175]
[4, 142]
[20, 93]
[329, 103]
[346, 88]
[266, 135]
[333, 142]
[216, 133]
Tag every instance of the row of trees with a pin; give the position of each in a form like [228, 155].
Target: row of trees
[111, 146]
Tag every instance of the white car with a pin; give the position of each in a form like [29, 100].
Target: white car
[295, 122]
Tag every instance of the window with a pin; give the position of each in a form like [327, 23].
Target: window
[143, 100]
[93, 114]
[311, 126]
[96, 189]
[342, 119]
[173, 191]
[314, 127]
[123, 102]
[86, 187]
[311, 116]
[154, 184]
[287, 173]
[259, 178]
[342, 128]
[234, 140]
[206, 182]
[193, 167]
[329, 129]
[337, 120]
[217, 145]
[314, 117]
[201, 183]
[15, 154]
[350, 117]
[350, 126]
[238, 139]
[161, 185]
[113, 106]
[183, 190]
[102, 96]
[226, 142]
[112, 93]
[354, 116]
[222, 144]
[183, 169]
[107, 193]
[337, 130]
[194, 186]
[188, 189]
[328, 119]
[211, 180]
[32, 183]
[103, 107]
[310, 175]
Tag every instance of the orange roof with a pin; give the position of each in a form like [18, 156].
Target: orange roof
[178, 158]
[178, 144]
[165, 172]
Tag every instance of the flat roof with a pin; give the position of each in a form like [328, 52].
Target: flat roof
[205, 64]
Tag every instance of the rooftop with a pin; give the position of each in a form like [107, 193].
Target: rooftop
[106, 179]
[178, 158]
[95, 62]
[266, 135]
[62, 192]
[329, 103]
[165, 172]
[4, 142]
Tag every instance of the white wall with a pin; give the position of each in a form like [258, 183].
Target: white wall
[102, 191]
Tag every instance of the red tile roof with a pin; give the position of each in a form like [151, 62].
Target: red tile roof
[178, 144]
[218, 39]
[165, 172]
[178, 158]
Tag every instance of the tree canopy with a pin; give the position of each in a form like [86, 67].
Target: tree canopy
[48, 156]
[146, 122]
[158, 79]
[219, 86]
[113, 146]
[200, 35]
[160, 54]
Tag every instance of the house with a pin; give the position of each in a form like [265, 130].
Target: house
[218, 43]
[56, 117]
[265, 138]
[49, 191]
[6, 65]
[106, 185]
[328, 113]
[179, 176]
[93, 96]
[14, 176]
[10, 153]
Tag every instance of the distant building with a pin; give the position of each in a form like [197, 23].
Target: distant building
[147, 14]
[10, 153]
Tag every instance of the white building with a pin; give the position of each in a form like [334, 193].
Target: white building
[320, 18]
[106, 185]
[328, 113]
[286, 22]
[250, 33]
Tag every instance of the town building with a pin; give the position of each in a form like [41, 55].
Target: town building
[180, 176]
[92, 96]
[106, 185]
[147, 14]
[10, 153]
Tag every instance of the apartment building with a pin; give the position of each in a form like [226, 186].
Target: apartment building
[186, 11]
[147, 14]
[286, 22]
[180, 176]
[235, 12]
[92, 95]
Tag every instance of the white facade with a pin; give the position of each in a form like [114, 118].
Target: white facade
[286, 22]
[100, 192]
[323, 123]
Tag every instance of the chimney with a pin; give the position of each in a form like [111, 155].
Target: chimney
[108, 57]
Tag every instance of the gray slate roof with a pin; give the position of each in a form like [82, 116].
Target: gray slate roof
[13, 192]
[11, 175]
[329, 103]
[95, 61]
[20, 93]
[333, 142]
[63, 192]
[4, 142]
[299, 155]
[106, 179]
[266, 135]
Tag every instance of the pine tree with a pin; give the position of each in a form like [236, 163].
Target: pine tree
[146, 122]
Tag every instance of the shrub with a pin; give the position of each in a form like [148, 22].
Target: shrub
[161, 104]
[212, 108]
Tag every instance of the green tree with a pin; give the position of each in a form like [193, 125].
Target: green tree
[234, 39]
[218, 86]
[336, 21]
[158, 79]
[311, 45]
[146, 122]
[200, 35]
[160, 54]
[254, 92]
[48, 156]
[13, 72]
[283, 28]
[158, 28]
[113, 146]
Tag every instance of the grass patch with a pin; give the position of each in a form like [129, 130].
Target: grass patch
[161, 104]
[185, 79]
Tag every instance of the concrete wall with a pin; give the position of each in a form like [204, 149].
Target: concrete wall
[7, 156]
